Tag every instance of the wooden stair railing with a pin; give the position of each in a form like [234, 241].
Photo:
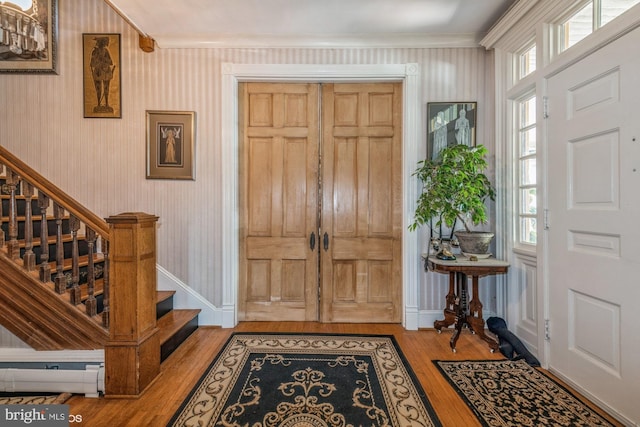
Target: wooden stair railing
[22, 178]
[125, 245]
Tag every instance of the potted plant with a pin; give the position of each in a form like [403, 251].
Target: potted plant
[456, 188]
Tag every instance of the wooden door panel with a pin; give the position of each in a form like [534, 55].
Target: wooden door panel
[345, 185]
[279, 127]
[381, 185]
[361, 212]
[294, 187]
[258, 286]
[260, 186]
[362, 248]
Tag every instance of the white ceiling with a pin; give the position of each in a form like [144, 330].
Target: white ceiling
[401, 23]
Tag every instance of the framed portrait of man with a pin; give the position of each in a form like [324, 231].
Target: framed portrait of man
[101, 76]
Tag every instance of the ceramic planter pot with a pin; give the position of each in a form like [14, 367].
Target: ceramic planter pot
[474, 242]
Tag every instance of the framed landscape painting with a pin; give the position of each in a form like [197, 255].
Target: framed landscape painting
[29, 36]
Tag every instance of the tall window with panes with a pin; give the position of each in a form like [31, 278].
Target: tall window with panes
[526, 178]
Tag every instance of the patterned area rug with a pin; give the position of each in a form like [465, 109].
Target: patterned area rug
[307, 381]
[512, 393]
[54, 399]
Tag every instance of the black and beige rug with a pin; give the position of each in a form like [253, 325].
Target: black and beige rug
[310, 380]
[33, 399]
[512, 393]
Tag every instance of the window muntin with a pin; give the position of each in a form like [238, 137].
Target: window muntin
[527, 61]
[526, 176]
[578, 26]
[591, 16]
[611, 9]
[528, 232]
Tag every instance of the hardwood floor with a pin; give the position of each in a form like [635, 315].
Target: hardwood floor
[181, 371]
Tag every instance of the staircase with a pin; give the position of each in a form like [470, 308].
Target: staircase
[175, 325]
[55, 269]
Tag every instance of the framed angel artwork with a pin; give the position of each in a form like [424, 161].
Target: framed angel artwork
[170, 145]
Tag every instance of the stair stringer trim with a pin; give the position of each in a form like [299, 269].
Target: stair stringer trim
[186, 298]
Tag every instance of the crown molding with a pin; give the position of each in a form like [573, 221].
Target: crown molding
[319, 41]
[512, 16]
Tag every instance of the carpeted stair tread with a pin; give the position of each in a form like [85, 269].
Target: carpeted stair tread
[172, 322]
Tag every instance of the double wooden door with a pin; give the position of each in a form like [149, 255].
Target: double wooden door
[321, 207]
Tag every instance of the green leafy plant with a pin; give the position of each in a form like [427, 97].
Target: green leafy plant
[454, 187]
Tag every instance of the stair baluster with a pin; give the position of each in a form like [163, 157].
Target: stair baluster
[74, 292]
[60, 280]
[13, 247]
[29, 258]
[105, 281]
[1, 191]
[91, 303]
[45, 268]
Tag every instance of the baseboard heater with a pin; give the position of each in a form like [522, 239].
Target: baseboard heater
[89, 382]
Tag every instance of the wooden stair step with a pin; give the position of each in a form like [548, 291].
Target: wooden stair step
[175, 327]
[173, 321]
[164, 295]
[164, 303]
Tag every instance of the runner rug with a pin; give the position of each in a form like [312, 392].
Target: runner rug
[307, 380]
[512, 393]
[33, 399]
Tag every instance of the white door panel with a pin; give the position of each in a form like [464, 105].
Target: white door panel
[593, 140]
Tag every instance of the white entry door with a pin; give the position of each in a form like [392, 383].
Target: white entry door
[593, 255]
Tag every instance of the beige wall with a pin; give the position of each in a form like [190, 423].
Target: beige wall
[101, 162]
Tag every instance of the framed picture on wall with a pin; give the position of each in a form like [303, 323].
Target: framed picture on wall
[170, 145]
[101, 75]
[29, 36]
[450, 123]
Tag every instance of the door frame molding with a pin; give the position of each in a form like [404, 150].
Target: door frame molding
[412, 145]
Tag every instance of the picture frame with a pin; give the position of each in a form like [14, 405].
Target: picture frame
[101, 75]
[29, 38]
[171, 145]
[450, 123]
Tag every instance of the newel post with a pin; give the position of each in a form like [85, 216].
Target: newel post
[132, 354]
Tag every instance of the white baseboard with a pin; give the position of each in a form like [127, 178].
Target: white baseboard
[411, 318]
[185, 297]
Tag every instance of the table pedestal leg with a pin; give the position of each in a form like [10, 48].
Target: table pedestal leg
[451, 309]
[474, 318]
[461, 319]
